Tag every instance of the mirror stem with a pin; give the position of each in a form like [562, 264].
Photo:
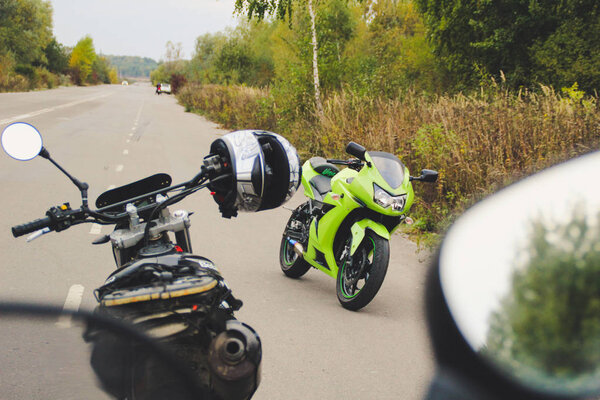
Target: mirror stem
[82, 186]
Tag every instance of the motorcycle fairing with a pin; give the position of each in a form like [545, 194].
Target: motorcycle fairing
[349, 195]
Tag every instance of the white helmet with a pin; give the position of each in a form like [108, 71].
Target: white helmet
[264, 167]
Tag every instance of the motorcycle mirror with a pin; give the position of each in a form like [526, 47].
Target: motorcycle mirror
[356, 150]
[428, 175]
[21, 141]
[514, 295]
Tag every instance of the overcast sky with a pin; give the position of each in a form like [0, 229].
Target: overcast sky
[140, 27]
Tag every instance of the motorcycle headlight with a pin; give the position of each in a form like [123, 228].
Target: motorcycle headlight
[385, 200]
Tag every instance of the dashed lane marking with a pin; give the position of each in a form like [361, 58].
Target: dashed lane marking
[72, 303]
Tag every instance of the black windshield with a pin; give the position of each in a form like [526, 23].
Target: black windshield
[390, 167]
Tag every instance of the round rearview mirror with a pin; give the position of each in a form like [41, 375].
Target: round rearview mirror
[21, 141]
[520, 273]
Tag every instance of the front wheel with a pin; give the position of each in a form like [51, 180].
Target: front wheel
[360, 276]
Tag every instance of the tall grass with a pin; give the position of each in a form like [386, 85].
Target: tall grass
[235, 107]
[478, 143]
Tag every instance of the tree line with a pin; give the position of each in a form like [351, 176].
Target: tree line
[31, 57]
[382, 47]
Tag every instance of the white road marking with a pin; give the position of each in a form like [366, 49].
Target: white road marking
[131, 134]
[50, 109]
[96, 229]
[72, 303]
[111, 187]
[137, 117]
[119, 168]
[125, 152]
[128, 141]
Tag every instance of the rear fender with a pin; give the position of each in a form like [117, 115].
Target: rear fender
[359, 228]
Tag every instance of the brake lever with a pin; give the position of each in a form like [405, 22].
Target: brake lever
[37, 234]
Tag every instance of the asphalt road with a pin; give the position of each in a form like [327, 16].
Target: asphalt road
[111, 135]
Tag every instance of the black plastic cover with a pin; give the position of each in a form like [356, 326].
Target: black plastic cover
[134, 189]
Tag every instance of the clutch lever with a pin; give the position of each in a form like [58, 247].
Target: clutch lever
[37, 234]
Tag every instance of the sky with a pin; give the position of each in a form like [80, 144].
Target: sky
[140, 27]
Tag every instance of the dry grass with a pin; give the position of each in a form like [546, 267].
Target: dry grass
[234, 107]
[478, 143]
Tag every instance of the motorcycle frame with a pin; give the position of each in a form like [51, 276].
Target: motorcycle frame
[349, 208]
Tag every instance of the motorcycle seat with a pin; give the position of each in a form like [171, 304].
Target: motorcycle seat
[322, 186]
[321, 166]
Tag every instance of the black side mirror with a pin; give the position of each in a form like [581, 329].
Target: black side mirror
[427, 175]
[356, 150]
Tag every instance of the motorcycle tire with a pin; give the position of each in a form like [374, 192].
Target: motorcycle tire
[292, 265]
[369, 263]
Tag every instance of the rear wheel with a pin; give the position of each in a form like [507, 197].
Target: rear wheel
[293, 265]
[360, 276]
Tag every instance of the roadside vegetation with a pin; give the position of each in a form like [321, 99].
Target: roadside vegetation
[31, 58]
[483, 92]
[133, 66]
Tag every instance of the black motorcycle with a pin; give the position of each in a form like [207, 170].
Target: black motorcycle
[159, 286]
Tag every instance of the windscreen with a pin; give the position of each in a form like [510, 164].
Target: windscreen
[390, 167]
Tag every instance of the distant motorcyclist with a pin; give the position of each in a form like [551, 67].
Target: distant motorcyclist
[158, 88]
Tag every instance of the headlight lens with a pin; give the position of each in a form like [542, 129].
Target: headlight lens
[385, 200]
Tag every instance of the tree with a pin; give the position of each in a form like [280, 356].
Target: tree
[389, 51]
[57, 57]
[280, 10]
[173, 64]
[25, 30]
[82, 58]
[526, 40]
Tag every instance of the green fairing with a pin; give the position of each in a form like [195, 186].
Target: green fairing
[346, 197]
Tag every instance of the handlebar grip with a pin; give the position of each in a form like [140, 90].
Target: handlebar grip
[32, 226]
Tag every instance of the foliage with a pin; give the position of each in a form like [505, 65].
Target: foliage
[82, 58]
[261, 8]
[133, 66]
[174, 64]
[178, 81]
[232, 106]
[28, 52]
[391, 52]
[547, 326]
[529, 41]
[57, 57]
[25, 30]
[242, 56]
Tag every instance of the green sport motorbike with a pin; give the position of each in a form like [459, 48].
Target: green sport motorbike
[345, 227]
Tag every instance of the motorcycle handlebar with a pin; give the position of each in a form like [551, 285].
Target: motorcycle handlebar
[32, 226]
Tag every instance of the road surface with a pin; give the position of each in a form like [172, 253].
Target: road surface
[110, 135]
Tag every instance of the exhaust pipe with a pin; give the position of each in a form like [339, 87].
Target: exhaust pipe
[298, 249]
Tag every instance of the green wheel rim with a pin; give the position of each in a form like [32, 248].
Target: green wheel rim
[285, 254]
